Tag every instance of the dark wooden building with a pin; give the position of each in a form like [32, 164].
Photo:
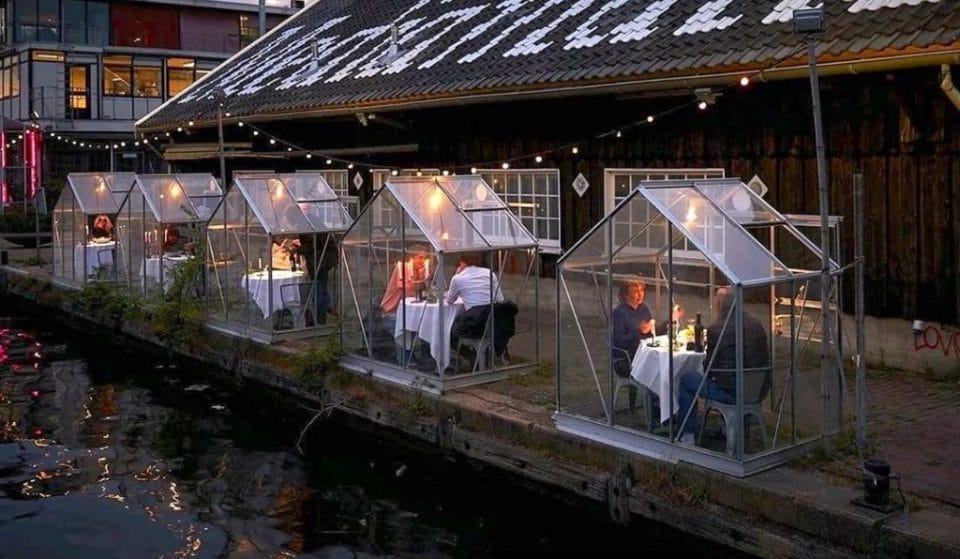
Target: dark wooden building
[387, 85]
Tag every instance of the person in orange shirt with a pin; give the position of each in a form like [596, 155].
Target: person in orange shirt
[404, 284]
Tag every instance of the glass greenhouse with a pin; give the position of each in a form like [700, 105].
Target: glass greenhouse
[669, 341]
[272, 256]
[84, 237]
[439, 277]
[160, 223]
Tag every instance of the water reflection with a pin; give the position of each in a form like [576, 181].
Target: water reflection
[111, 455]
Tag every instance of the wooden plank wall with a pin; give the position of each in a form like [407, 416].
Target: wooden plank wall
[898, 129]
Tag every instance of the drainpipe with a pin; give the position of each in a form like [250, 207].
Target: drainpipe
[948, 87]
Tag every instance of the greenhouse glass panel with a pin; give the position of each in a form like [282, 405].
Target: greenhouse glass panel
[85, 235]
[672, 345]
[439, 276]
[272, 266]
[739, 202]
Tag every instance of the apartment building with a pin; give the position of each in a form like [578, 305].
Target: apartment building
[88, 69]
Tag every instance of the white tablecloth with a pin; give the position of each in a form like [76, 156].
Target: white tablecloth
[92, 260]
[423, 319]
[257, 285]
[650, 366]
[151, 268]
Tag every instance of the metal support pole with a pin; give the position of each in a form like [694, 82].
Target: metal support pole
[223, 165]
[822, 188]
[261, 18]
[861, 339]
[111, 158]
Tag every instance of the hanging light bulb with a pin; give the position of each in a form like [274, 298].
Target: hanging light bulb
[226, 114]
[190, 123]
[394, 172]
[445, 173]
[504, 165]
[309, 156]
[289, 148]
[167, 134]
[123, 144]
[473, 170]
[256, 133]
[702, 105]
[538, 159]
[619, 134]
[350, 166]
[419, 173]
[650, 119]
[240, 124]
[744, 81]
[272, 141]
[329, 161]
[575, 150]
[179, 128]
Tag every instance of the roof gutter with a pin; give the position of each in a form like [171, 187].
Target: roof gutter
[798, 71]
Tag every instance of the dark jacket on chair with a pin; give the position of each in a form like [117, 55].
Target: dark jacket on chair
[473, 323]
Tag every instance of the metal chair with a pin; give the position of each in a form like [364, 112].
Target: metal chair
[481, 347]
[106, 269]
[621, 368]
[296, 298]
[756, 386]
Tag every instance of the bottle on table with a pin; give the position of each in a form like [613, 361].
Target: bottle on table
[698, 334]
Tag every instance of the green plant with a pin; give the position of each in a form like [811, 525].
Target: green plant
[32, 260]
[107, 302]
[313, 364]
[17, 219]
[178, 314]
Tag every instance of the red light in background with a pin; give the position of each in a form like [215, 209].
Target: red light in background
[4, 193]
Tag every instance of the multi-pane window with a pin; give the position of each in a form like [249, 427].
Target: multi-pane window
[249, 29]
[86, 22]
[3, 23]
[79, 95]
[338, 179]
[181, 72]
[619, 183]
[118, 75]
[38, 20]
[9, 77]
[533, 195]
[148, 26]
[122, 78]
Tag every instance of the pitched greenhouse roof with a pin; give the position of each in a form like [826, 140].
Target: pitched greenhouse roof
[188, 198]
[713, 215]
[458, 213]
[293, 203]
[340, 57]
[100, 193]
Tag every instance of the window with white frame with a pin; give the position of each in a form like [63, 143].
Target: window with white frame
[533, 195]
[619, 183]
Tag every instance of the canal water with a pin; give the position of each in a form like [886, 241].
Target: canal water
[106, 453]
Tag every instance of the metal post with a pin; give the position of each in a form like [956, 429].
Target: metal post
[822, 188]
[261, 18]
[861, 341]
[111, 158]
[223, 165]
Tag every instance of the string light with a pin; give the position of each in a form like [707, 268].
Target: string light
[702, 105]
[650, 119]
[619, 134]
[190, 123]
[575, 150]
[179, 128]
[538, 159]
[272, 141]
[240, 124]
[744, 81]
[309, 156]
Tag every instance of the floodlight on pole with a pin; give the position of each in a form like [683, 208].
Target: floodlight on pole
[808, 22]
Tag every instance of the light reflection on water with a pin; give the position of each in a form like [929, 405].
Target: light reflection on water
[120, 457]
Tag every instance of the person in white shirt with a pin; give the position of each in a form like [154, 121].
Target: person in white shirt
[475, 285]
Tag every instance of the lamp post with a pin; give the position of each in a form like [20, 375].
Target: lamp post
[808, 22]
[219, 96]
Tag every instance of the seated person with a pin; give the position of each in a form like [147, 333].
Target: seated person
[630, 322]
[307, 252]
[173, 242]
[282, 253]
[403, 284]
[102, 228]
[477, 286]
[721, 385]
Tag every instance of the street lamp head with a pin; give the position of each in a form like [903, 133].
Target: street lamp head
[808, 20]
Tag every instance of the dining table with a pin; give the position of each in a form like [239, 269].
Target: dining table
[651, 365]
[264, 288]
[93, 255]
[422, 320]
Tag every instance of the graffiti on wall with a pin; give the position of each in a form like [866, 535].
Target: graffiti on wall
[937, 338]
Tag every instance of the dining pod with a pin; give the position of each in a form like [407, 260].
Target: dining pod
[161, 230]
[272, 257]
[678, 330]
[440, 286]
[84, 233]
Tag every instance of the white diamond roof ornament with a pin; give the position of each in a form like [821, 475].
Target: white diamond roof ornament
[358, 181]
[758, 186]
[580, 185]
